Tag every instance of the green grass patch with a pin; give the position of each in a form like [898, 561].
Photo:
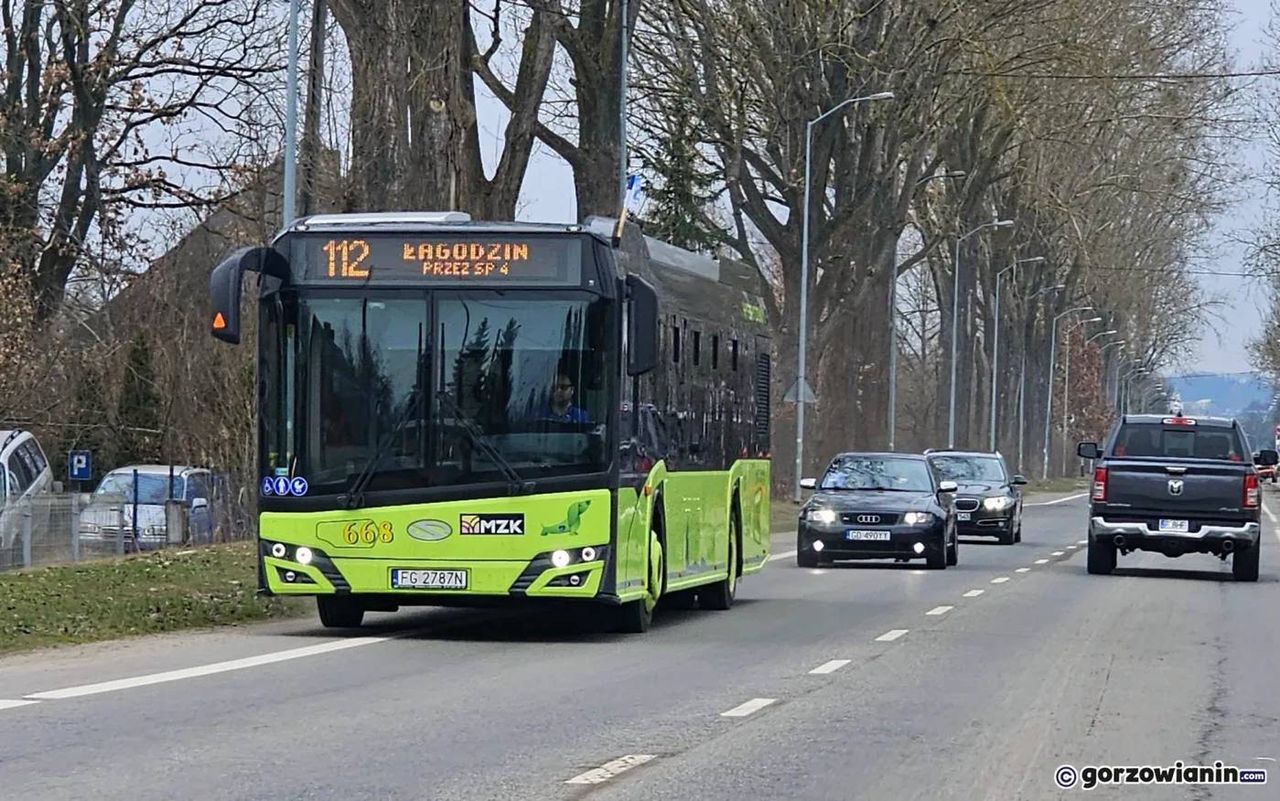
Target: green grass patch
[784, 513]
[1059, 485]
[142, 594]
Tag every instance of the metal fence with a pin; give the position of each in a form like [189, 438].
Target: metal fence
[61, 528]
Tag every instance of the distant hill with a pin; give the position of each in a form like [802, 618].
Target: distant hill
[1226, 394]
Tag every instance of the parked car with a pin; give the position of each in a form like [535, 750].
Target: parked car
[24, 476]
[112, 505]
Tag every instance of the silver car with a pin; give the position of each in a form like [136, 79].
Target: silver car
[111, 511]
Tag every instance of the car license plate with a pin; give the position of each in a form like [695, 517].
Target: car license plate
[964, 517]
[1175, 526]
[405, 579]
[855, 534]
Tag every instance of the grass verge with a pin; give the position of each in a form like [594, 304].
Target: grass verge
[144, 594]
[1060, 485]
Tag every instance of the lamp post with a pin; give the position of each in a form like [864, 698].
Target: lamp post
[291, 118]
[804, 276]
[893, 327]
[955, 323]
[1022, 389]
[1106, 371]
[1048, 409]
[995, 343]
[1066, 386]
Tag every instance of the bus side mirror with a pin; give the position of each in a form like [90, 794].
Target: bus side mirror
[642, 326]
[225, 283]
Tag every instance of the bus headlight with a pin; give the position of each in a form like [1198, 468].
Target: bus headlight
[278, 550]
[560, 558]
[588, 554]
[303, 555]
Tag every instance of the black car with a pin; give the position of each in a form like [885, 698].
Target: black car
[877, 506]
[988, 497]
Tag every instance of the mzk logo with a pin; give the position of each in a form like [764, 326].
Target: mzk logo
[491, 524]
[572, 519]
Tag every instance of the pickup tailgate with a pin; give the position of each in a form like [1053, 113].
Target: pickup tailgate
[1189, 488]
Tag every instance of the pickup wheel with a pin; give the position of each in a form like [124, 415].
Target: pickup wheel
[1102, 557]
[1244, 564]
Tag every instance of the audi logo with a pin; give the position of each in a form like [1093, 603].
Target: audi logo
[868, 518]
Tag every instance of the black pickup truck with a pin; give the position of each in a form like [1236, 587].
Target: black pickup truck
[1175, 485]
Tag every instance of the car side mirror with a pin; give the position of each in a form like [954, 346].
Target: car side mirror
[199, 503]
[1268, 457]
[1088, 450]
[808, 483]
[1020, 481]
[948, 486]
[642, 326]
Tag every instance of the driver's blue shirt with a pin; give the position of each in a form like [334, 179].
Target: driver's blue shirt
[574, 414]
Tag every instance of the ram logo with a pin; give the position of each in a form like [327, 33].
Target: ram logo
[1175, 486]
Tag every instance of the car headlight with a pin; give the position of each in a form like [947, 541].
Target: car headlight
[917, 518]
[821, 516]
[997, 504]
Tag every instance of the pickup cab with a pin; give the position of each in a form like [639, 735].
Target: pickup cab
[1175, 485]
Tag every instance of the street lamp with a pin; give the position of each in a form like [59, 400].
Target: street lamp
[1106, 372]
[804, 276]
[893, 327]
[1048, 410]
[1022, 389]
[995, 343]
[1101, 334]
[955, 322]
[1066, 386]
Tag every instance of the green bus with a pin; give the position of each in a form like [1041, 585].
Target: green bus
[462, 413]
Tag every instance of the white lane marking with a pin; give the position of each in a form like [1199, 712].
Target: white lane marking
[973, 593]
[1000, 580]
[206, 670]
[1082, 542]
[1023, 570]
[6, 703]
[783, 555]
[1058, 553]
[1072, 547]
[830, 667]
[890, 636]
[1042, 561]
[1059, 500]
[750, 707]
[1274, 522]
[939, 610]
[610, 769]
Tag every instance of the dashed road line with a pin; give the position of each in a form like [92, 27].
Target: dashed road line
[1000, 580]
[1042, 561]
[1023, 570]
[6, 703]
[610, 769]
[1059, 553]
[1072, 547]
[890, 636]
[939, 610]
[829, 667]
[973, 593]
[1082, 542]
[750, 707]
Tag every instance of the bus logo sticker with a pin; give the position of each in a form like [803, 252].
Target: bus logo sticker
[298, 486]
[572, 519]
[491, 524]
[429, 530]
[268, 485]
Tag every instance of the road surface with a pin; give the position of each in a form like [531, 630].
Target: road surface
[868, 681]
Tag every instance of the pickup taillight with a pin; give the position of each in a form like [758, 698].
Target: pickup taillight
[1251, 491]
[1099, 484]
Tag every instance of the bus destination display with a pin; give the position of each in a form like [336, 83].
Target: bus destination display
[475, 259]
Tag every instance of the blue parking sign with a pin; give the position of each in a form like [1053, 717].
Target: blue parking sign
[79, 465]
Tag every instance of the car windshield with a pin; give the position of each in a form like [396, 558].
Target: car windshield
[965, 469]
[877, 473]
[1146, 440]
[152, 489]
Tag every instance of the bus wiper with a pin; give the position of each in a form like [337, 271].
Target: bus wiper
[515, 484]
[354, 496]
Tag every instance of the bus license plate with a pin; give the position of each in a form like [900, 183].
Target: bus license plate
[1175, 526]
[404, 579]
[866, 535]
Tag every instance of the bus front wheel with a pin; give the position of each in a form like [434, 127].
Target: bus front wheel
[339, 612]
[636, 616]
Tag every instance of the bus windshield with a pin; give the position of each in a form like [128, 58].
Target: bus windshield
[440, 388]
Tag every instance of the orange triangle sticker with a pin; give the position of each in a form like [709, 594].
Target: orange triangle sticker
[218, 322]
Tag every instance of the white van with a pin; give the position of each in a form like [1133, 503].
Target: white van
[24, 476]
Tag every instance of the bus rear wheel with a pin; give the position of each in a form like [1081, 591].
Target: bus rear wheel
[339, 612]
[719, 596]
